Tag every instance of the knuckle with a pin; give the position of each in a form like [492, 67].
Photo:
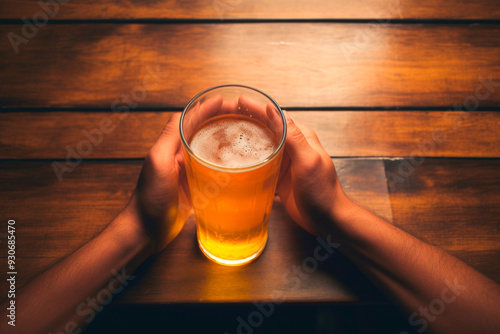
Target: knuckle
[314, 162]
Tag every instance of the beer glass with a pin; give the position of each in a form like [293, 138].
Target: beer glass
[232, 138]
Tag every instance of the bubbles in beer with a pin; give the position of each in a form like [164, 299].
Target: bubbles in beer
[233, 141]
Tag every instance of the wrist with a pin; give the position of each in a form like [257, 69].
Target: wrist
[354, 225]
[341, 205]
[128, 227]
[341, 215]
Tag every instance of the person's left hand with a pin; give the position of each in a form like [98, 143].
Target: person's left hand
[160, 203]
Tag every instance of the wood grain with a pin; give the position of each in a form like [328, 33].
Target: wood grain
[35, 135]
[299, 64]
[454, 204]
[68, 76]
[260, 9]
[449, 202]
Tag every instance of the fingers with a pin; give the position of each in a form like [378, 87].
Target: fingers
[253, 108]
[266, 113]
[168, 143]
[200, 113]
[310, 135]
[296, 142]
[209, 108]
[307, 131]
[275, 120]
[228, 107]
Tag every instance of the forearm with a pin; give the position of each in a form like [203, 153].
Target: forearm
[435, 288]
[64, 295]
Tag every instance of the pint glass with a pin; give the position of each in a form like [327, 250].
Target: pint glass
[233, 138]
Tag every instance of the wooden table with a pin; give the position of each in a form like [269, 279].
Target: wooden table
[404, 95]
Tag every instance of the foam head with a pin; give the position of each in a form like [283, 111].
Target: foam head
[233, 141]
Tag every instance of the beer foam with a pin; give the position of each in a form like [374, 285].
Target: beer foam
[233, 142]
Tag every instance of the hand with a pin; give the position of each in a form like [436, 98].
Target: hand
[308, 185]
[160, 203]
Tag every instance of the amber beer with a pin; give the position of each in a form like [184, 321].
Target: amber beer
[232, 163]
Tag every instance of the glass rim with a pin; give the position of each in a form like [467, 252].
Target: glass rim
[225, 168]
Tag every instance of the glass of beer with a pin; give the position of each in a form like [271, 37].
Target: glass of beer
[233, 138]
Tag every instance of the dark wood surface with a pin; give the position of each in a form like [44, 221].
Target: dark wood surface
[259, 9]
[377, 80]
[45, 135]
[299, 64]
[60, 220]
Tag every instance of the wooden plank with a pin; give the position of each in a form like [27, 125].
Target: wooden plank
[258, 9]
[46, 135]
[407, 133]
[299, 64]
[64, 215]
[450, 202]
[343, 133]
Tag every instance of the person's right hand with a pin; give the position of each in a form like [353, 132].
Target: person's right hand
[308, 185]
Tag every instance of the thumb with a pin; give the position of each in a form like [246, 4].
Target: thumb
[297, 145]
[169, 140]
